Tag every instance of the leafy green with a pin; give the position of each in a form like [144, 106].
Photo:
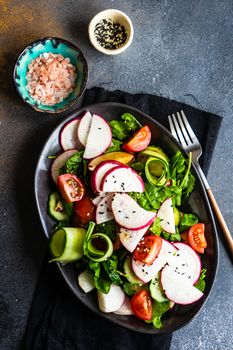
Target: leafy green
[109, 228]
[68, 208]
[156, 227]
[116, 146]
[138, 166]
[180, 172]
[141, 199]
[159, 309]
[130, 288]
[187, 221]
[201, 282]
[156, 195]
[121, 129]
[101, 280]
[90, 230]
[72, 165]
[60, 224]
[110, 266]
[130, 122]
[171, 236]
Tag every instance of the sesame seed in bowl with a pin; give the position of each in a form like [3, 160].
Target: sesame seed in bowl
[111, 32]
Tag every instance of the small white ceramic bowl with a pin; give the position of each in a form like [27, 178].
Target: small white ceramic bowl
[117, 17]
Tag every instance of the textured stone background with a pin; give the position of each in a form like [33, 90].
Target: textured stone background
[182, 50]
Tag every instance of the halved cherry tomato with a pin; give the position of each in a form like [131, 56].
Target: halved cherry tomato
[141, 305]
[196, 237]
[148, 249]
[139, 141]
[83, 211]
[70, 187]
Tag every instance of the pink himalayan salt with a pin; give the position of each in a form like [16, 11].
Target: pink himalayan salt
[50, 78]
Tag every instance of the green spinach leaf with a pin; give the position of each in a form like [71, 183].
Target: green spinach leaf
[201, 282]
[110, 266]
[159, 309]
[187, 221]
[101, 280]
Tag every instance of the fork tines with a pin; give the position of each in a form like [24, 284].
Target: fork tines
[181, 129]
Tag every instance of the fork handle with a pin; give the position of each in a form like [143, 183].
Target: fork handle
[221, 221]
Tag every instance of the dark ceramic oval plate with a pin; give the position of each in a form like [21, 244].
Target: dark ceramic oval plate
[197, 203]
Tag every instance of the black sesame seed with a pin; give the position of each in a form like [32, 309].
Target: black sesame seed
[109, 34]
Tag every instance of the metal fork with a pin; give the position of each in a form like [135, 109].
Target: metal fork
[182, 131]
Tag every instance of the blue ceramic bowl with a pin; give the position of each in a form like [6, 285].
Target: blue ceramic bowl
[57, 46]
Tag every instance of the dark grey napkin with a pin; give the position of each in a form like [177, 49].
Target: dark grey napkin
[57, 320]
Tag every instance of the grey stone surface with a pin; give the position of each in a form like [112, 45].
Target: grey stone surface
[181, 50]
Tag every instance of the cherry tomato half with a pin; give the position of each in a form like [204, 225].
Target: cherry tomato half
[196, 237]
[139, 141]
[70, 187]
[83, 211]
[141, 305]
[148, 249]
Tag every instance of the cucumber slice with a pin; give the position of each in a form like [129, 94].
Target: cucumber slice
[155, 289]
[156, 171]
[92, 250]
[159, 151]
[66, 244]
[130, 275]
[56, 208]
[154, 152]
[96, 254]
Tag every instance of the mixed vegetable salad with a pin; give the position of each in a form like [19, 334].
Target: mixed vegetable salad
[117, 210]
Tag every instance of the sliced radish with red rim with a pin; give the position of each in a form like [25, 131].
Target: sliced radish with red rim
[99, 137]
[84, 127]
[178, 288]
[59, 162]
[68, 136]
[166, 215]
[122, 179]
[99, 173]
[129, 214]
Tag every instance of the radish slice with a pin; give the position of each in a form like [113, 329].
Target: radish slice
[104, 210]
[84, 127]
[99, 137]
[177, 288]
[186, 262]
[166, 215]
[122, 179]
[125, 309]
[129, 214]
[86, 281]
[130, 239]
[99, 198]
[112, 301]
[100, 171]
[60, 162]
[147, 272]
[68, 136]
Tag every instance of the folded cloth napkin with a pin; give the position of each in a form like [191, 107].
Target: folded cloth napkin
[58, 320]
